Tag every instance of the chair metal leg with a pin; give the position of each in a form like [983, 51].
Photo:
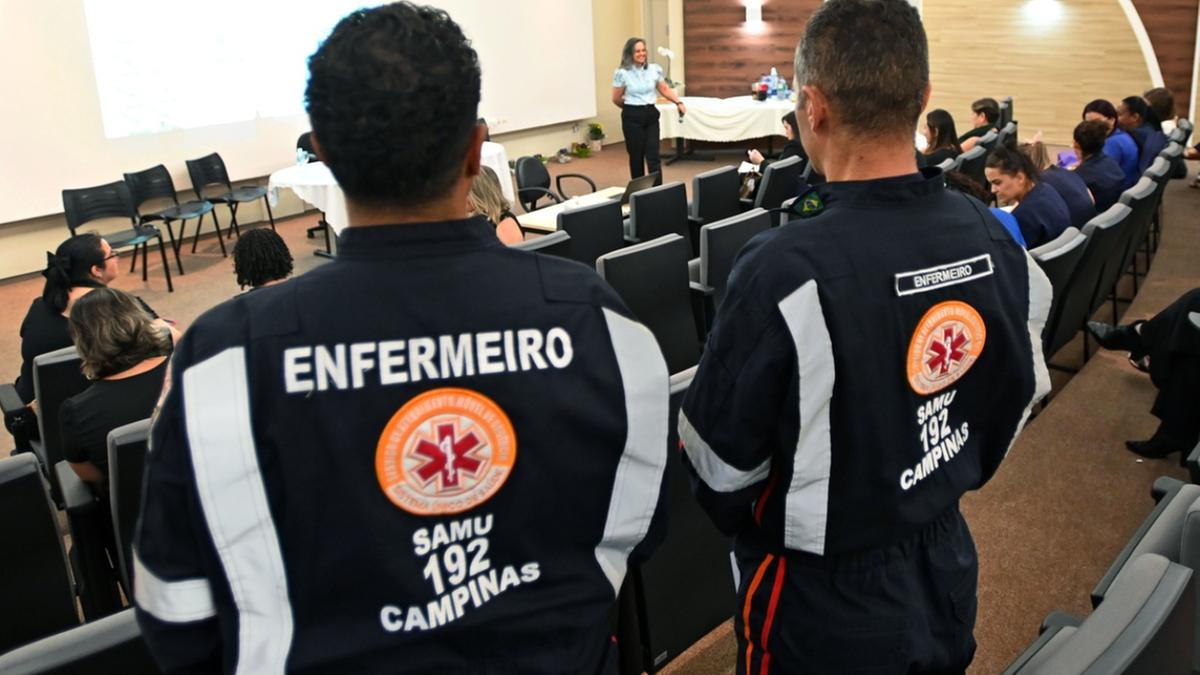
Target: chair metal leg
[174, 244]
[234, 228]
[133, 263]
[162, 251]
[220, 239]
[270, 216]
[145, 258]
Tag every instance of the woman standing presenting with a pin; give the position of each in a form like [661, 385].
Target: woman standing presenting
[636, 85]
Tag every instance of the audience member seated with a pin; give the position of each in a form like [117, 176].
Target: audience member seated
[985, 113]
[942, 139]
[792, 148]
[960, 182]
[1139, 121]
[123, 350]
[488, 201]
[261, 258]
[1119, 145]
[1040, 211]
[1162, 102]
[1069, 186]
[1168, 347]
[1100, 173]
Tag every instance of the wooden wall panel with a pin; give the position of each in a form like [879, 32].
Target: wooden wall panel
[1050, 68]
[1171, 25]
[723, 55]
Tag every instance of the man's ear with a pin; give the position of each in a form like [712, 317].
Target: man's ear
[473, 161]
[316, 145]
[815, 108]
[925, 96]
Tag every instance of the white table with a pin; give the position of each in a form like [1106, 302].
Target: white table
[724, 119]
[546, 219]
[494, 157]
[315, 184]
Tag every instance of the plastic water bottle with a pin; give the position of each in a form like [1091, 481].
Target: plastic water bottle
[774, 81]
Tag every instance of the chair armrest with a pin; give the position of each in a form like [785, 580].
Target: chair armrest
[1165, 490]
[696, 220]
[1058, 619]
[558, 181]
[10, 401]
[632, 240]
[697, 287]
[1051, 626]
[77, 495]
[1193, 464]
[747, 203]
[1165, 485]
[545, 192]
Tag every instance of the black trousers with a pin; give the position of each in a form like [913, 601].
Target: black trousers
[1173, 344]
[902, 609]
[639, 123]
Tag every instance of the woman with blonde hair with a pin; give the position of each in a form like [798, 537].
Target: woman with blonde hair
[488, 201]
[1081, 205]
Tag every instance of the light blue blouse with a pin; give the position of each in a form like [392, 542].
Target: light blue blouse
[640, 83]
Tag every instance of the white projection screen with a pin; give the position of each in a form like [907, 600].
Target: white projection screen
[96, 88]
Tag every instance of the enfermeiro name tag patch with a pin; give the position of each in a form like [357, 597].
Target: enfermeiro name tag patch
[941, 276]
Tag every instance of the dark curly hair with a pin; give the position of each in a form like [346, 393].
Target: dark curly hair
[393, 97]
[261, 256]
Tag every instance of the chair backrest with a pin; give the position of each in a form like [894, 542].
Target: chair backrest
[715, 194]
[949, 164]
[1141, 199]
[720, 243]
[686, 588]
[1074, 306]
[126, 461]
[531, 173]
[595, 230]
[556, 243]
[1007, 132]
[152, 183]
[112, 644]
[1144, 626]
[658, 211]
[780, 181]
[971, 162]
[111, 200]
[1006, 111]
[207, 170]
[988, 141]
[652, 279]
[56, 377]
[35, 589]
[1058, 259]
[1186, 126]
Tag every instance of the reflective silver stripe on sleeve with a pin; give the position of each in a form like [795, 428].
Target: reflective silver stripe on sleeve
[179, 601]
[716, 473]
[639, 473]
[1040, 294]
[807, 503]
[217, 410]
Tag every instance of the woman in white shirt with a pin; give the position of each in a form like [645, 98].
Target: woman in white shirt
[636, 85]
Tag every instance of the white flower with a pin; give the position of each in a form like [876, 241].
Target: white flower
[667, 53]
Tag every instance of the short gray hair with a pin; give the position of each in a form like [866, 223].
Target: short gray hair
[871, 58]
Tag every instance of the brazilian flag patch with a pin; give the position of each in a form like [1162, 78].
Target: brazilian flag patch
[809, 205]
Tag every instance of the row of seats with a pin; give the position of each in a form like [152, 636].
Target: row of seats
[129, 197]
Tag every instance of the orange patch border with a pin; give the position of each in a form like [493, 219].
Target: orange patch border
[935, 317]
[398, 433]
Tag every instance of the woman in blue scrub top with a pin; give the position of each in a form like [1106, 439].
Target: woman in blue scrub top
[636, 86]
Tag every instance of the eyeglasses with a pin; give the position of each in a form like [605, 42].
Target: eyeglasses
[110, 256]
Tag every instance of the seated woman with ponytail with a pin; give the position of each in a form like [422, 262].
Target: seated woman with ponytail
[1040, 211]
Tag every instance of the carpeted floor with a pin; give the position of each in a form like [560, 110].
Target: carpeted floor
[1047, 526]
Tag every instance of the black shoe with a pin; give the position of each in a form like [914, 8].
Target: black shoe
[1123, 338]
[1153, 448]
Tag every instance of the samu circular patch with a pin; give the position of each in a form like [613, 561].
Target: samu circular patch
[444, 452]
[946, 343]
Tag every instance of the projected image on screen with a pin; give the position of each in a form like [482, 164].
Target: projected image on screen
[166, 65]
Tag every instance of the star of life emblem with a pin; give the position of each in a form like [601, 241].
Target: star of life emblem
[944, 346]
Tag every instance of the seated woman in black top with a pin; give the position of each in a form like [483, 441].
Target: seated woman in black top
[1041, 213]
[793, 147]
[261, 258]
[1069, 186]
[488, 201]
[124, 352]
[1101, 173]
[943, 139]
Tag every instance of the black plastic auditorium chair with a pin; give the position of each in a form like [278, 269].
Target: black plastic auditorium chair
[56, 378]
[715, 194]
[110, 645]
[126, 464]
[686, 589]
[658, 211]
[533, 183]
[1159, 172]
[720, 243]
[1006, 111]
[209, 171]
[556, 243]
[155, 184]
[971, 163]
[112, 200]
[652, 279]
[989, 141]
[1141, 200]
[950, 163]
[1007, 135]
[1058, 258]
[1074, 307]
[779, 182]
[595, 230]
[36, 592]
[1145, 626]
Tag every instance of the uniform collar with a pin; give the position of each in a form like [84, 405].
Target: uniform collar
[419, 238]
[883, 191]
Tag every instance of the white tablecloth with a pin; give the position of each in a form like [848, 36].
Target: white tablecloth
[545, 219]
[724, 119]
[494, 157]
[313, 183]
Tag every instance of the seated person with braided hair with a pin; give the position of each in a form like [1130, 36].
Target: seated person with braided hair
[261, 258]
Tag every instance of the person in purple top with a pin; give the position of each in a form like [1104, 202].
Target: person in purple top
[1119, 145]
[1069, 186]
[1040, 212]
[1099, 172]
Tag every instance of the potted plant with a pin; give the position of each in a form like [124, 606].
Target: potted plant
[595, 134]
